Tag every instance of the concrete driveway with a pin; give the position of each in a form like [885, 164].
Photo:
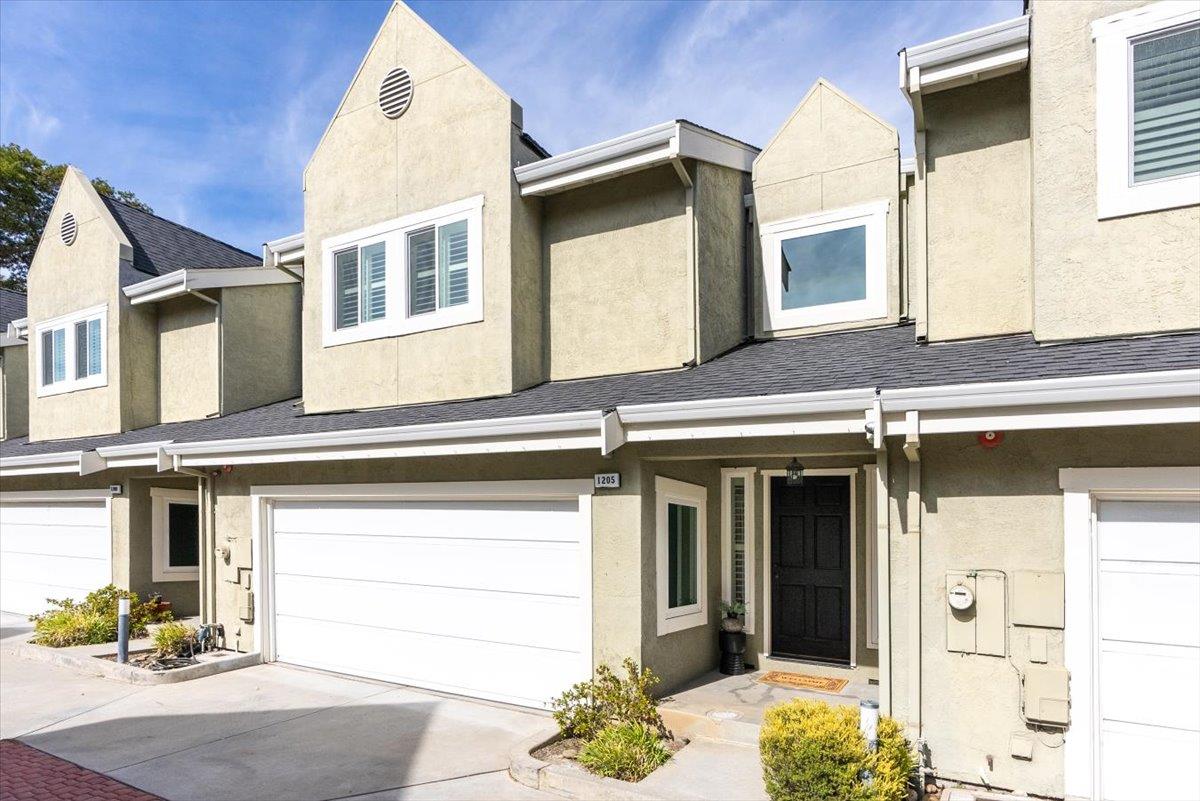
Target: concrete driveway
[265, 732]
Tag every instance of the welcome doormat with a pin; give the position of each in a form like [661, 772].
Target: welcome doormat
[803, 681]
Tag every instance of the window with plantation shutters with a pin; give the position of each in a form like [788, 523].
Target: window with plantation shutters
[71, 352]
[416, 273]
[1147, 109]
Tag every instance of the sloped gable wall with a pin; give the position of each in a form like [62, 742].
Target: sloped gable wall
[830, 154]
[454, 142]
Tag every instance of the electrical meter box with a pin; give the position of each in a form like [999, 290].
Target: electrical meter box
[975, 603]
[1045, 695]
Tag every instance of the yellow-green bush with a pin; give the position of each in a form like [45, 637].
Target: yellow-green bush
[174, 639]
[626, 751]
[590, 706]
[811, 750]
[93, 620]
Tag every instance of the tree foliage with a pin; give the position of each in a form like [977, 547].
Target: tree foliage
[28, 186]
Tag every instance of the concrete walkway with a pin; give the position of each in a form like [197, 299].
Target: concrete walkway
[264, 732]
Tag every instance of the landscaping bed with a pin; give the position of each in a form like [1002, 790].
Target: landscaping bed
[567, 750]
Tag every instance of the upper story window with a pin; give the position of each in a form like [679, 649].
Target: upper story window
[415, 273]
[1148, 109]
[70, 351]
[829, 267]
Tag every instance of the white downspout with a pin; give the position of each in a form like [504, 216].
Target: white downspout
[912, 450]
[689, 203]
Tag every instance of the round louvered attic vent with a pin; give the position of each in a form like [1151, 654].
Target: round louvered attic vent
[395, 93]
[69, 228]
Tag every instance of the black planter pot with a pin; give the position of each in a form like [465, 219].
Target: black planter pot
[733, 652]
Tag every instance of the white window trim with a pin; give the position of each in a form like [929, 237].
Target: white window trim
[747, 474]
[68, 321]
[160, 501]
[1083, 488]
[1115, 194]
[397, 321]
[873, 216]
[852, 474]
[666, 491]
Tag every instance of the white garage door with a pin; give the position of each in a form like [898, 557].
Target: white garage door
[1149, 649]
[481, 598]
[52, 550]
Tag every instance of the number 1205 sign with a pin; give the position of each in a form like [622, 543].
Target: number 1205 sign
[607, 480]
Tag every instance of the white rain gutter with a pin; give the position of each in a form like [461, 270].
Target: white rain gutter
[631, 152]
[17, 333]
[965, 58]
[1108, 400]
[187, 281]
[285, 254]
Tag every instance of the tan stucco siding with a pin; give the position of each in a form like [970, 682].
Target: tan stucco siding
[830, 154]
[720, 239]
[998, 509]
[528, 299]
[14, 391]
[453, 143]
[617, 258]
[977, 184]
[261, 345]
[188, 362]
[65, 279]
[1093, 277]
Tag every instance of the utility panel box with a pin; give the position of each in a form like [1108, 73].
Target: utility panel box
[1038, 599]
[1045, 695]
[975, 613]
[246, 606]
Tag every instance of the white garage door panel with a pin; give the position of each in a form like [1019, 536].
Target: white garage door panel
[52, 550]
[1143, 762]
[466, 614]
[482, 598]
[1158, 603]
[499, 566]
[1149, 649]
[1161, 675]
[499, 672]
[475, 520]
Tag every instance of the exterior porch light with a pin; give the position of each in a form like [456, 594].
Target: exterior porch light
[795, 473]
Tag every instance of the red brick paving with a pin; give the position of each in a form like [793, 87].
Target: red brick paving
[27, 774]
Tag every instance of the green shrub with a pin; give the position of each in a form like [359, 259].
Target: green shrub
[174, 639]
[626, 751]
[812, 750]
[93, 620]
[591, 706]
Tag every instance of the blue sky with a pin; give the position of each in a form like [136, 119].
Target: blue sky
[209, 110]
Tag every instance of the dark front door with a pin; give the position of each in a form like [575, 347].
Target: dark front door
[810, 568]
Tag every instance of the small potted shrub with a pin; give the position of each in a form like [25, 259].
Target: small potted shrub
[733, 639]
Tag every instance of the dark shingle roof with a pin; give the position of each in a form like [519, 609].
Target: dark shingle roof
[12, 307]
[161, 246]
[886, 358]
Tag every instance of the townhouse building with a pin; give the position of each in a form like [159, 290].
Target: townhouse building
[497, 416]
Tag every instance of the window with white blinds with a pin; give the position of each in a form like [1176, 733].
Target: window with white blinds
[1166, 105]
[71, 352]
[416, 273]
[737, 540]
[1147, 109]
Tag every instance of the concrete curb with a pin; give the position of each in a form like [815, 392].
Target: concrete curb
[82, 658]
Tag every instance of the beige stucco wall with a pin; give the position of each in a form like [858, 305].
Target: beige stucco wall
[977, 191]
[188, 386]
[1092, 277]
[618, 270]
[720, 213]
[454, 142]
[830, 154]
[66, 279]
[14, 391]
[998, 509]
[261, 345]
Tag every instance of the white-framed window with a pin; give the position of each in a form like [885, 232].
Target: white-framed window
[71, 351]
[680, 554]
[415, 273]
[737, 540]
[1148, 109]
[175, 535]
[829, 267]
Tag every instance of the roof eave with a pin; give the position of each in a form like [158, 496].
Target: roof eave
[965, 58]
[186, 281]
